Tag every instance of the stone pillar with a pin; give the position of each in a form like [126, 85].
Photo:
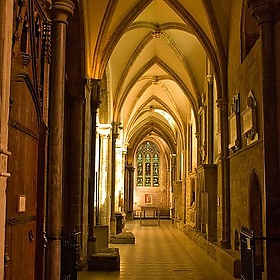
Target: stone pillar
[75, 157]
[210, 120]
[267, 13]
[225, 190]
[277, 60]
[198, 156]
[61, 10]
[173, 168]
[115, 134]
[6, 23]
[104, 131]
[94, 85]
[129, 198]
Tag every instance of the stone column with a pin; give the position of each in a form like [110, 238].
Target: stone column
[115, 134]
[95, 103]
[277, 59]
[198, 156]
[104, 131]
[210, 120]
[267, 13]
[6, 23]
[225, 190]
[173, 163]
[129, 197]
[75, 157]
[61, 10]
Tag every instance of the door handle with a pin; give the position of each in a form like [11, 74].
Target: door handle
[6, 259]
[30, 236]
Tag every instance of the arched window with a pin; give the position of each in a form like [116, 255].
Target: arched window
[148, 163]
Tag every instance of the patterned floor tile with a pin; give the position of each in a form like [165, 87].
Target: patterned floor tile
[160, 253]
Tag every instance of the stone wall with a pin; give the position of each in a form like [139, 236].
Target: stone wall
[241, 171]
[243, 76]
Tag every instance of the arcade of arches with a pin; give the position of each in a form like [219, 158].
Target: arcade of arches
[110, 105]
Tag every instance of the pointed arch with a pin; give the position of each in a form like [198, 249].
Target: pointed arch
[218, 66]
[152, 126]
[101, 58]
[256, 220]
[168, 40]
[194, 100]
[100, 62]
[255, 203]
[249, 32]
[148, 164]
[162, 106]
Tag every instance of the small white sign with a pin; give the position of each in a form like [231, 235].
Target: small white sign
[21, 203]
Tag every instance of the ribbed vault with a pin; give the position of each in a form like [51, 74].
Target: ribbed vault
[156, 53]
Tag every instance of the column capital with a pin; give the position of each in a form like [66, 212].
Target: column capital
[209, 78]
[62, 10]
[263, 10]
[93, 85]
[115, 129]
[222, 104]
[76, 99]
[130, 168]
[104, 130]
[198, 134]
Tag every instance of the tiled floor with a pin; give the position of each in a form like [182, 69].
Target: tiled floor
[160, 253]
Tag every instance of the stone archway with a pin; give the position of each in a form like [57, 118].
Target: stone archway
[256, 221]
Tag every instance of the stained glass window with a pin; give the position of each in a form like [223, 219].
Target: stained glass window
[148, 165]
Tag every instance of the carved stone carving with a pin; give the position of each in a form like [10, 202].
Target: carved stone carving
[203, 125]
[20, 25]
[234, 125]
[47, 42]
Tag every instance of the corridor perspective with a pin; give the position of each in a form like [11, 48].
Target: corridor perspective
[160, 253]
[113, 111]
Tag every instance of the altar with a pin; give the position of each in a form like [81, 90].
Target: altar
[146, 210]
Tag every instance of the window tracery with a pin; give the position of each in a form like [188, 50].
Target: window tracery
[148, 163]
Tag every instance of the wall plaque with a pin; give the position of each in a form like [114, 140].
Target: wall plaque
[249, 120]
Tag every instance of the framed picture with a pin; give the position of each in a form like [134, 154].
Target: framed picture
[148, 198]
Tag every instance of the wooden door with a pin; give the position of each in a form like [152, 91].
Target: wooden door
[22, 187]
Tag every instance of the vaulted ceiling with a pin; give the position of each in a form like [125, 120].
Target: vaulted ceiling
[154, 54]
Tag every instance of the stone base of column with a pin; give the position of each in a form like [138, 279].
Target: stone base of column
[129, 215]
[82, 263]
[113, 226]
[106, 260]
[53, 259]
[91, 246]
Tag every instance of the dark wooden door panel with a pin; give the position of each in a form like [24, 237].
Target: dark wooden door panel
[22, 186]
[21, 251]
[23, 168]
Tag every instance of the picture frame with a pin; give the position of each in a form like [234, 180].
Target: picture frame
[148, 198]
